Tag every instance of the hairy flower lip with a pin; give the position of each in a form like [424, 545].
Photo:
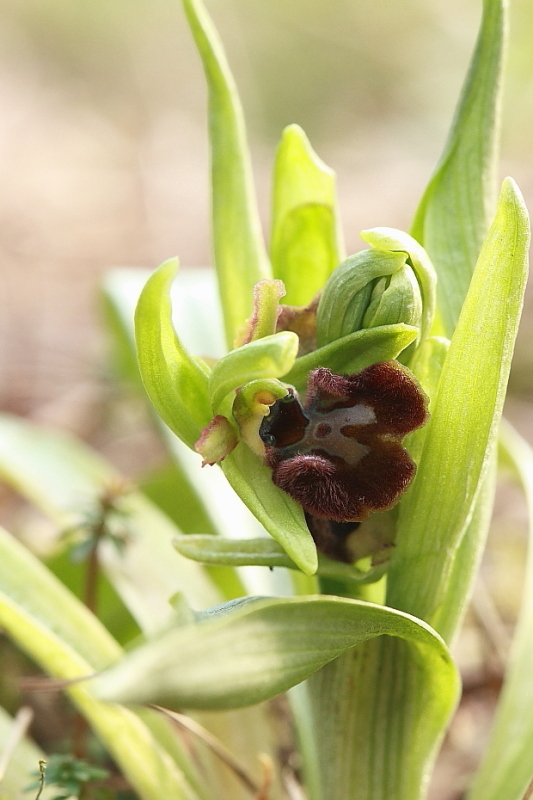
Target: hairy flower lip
[340, 455]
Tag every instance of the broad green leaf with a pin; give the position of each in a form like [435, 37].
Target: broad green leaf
[436, 510]
[240, 256]
[507, 766]
[269, 357]
[176, 383]
[279, 514]
[458, 204]
[392, 241]
[264, 646]
[65, 480]
[265, 553]
[67, 641]
[370, 722]
[354, 352]
[306, 243]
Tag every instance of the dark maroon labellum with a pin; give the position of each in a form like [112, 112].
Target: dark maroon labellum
[340, 455]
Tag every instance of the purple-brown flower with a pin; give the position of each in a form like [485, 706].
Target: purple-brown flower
[340, 456]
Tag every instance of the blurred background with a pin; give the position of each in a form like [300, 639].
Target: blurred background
[103, 162]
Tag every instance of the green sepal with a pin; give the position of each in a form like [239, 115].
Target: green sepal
[354, 352]
[306, 241]
[390, 240]
[279, 514]
[269, 357]
[395, 298]
[263, 552]
[175, 381]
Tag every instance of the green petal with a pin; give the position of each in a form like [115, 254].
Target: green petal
[269, 357]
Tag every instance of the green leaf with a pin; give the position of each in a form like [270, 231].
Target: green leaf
[269, 357]
[354, 352]
[436, 510]
[265, 552]
[507, 766]
[279, 514]
[65, 480]
[370, 722]
[306, 241]
[458, 204]
[67, 641]
[176, 383]
[264, 646]
[240, 256]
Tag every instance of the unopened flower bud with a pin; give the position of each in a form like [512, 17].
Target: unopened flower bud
[369, 289]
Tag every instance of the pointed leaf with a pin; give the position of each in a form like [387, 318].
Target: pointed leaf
[240, 255]
[456, 209]
[65, 480]
[436, 510]
[67, 641]
[264, 646]
[306, 241]
[507, 766]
